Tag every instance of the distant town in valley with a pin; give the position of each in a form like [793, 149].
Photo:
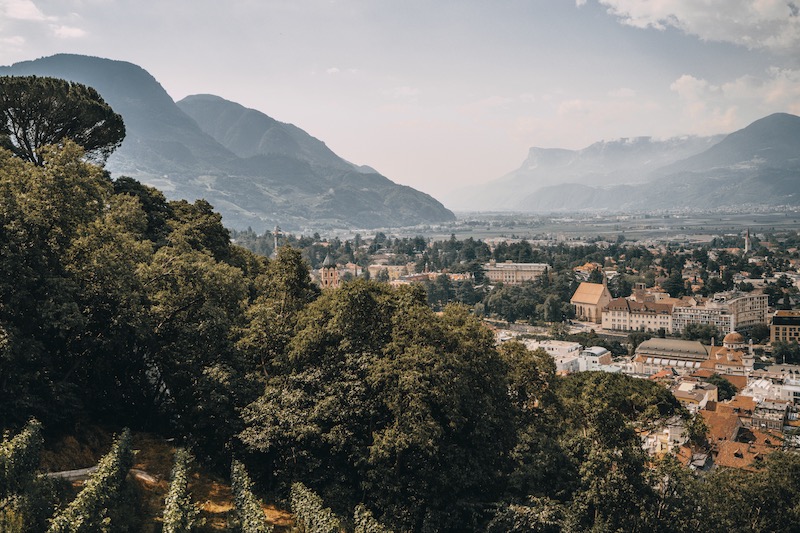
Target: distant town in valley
[705, 304]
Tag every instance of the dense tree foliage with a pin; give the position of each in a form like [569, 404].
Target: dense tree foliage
[704, 333]
[120, 307]
[310, 512]
[19, 459]
[786, 352]
[249, 516]
[725, 389]
[89, 511]
[180, 514]
[376, 387]
[364, 522]
[37, 111]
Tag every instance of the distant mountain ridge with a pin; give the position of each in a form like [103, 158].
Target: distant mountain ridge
[255, 170]
[757, 165]
[604, 163]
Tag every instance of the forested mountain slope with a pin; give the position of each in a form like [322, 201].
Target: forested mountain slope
[286, 178]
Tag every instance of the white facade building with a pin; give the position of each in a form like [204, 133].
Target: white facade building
[727, 311]
[554, 348]
[593, 358]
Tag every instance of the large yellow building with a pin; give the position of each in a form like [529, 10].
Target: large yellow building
[514, 273]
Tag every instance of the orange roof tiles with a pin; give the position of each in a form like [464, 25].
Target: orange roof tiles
[739, 382]
[589, 293]
[721, 425]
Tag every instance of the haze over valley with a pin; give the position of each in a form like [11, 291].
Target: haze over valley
[446, 96]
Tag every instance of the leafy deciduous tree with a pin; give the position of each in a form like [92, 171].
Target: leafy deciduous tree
[40, 111]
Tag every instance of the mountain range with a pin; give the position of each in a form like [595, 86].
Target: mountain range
[757, 165]
[256, 171]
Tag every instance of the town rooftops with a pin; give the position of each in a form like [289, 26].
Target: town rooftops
[595, 351]
[589, 293]
[786, 318]
[623, 304]
[674, 348]
[517, 266]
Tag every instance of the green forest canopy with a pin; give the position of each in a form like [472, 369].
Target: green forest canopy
[36, 112]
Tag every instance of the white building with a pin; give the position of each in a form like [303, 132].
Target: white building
[694, 394]
[564, 353]
[622, 314]
[778, 382]
[593, 358]
[554, 348]
[665, 438]
[568, 364]
[727, 311]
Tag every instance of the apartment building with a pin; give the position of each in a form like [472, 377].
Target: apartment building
[727, 311]
[622, 314]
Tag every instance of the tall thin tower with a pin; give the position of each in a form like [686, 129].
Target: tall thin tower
[747, 242]
[275, 234]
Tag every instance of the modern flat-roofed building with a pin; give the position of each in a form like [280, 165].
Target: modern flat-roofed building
[785, 326]
[727, 311]
[554, 348]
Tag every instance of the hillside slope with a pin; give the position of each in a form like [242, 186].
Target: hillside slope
[757, 165]
[259, 176]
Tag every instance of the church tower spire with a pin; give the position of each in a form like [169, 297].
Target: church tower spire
[329, 275]
[747, 242]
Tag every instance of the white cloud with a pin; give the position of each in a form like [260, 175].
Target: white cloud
[26, 12]
[773, 24]
[21, 10]
[333, 70]
[67, 32]
[733, 104]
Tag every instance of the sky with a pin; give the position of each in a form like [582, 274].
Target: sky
[439, 94]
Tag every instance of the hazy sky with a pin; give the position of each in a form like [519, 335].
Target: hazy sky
[440, 93]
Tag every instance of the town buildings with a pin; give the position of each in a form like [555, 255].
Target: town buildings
[785, 326]
[328, 274]
[514, 273]
[595, 358]
[622, 314]
[733, 358]
[555, 348]
[693, 393]
[589, 300]
[654, 355]
[727, 311]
